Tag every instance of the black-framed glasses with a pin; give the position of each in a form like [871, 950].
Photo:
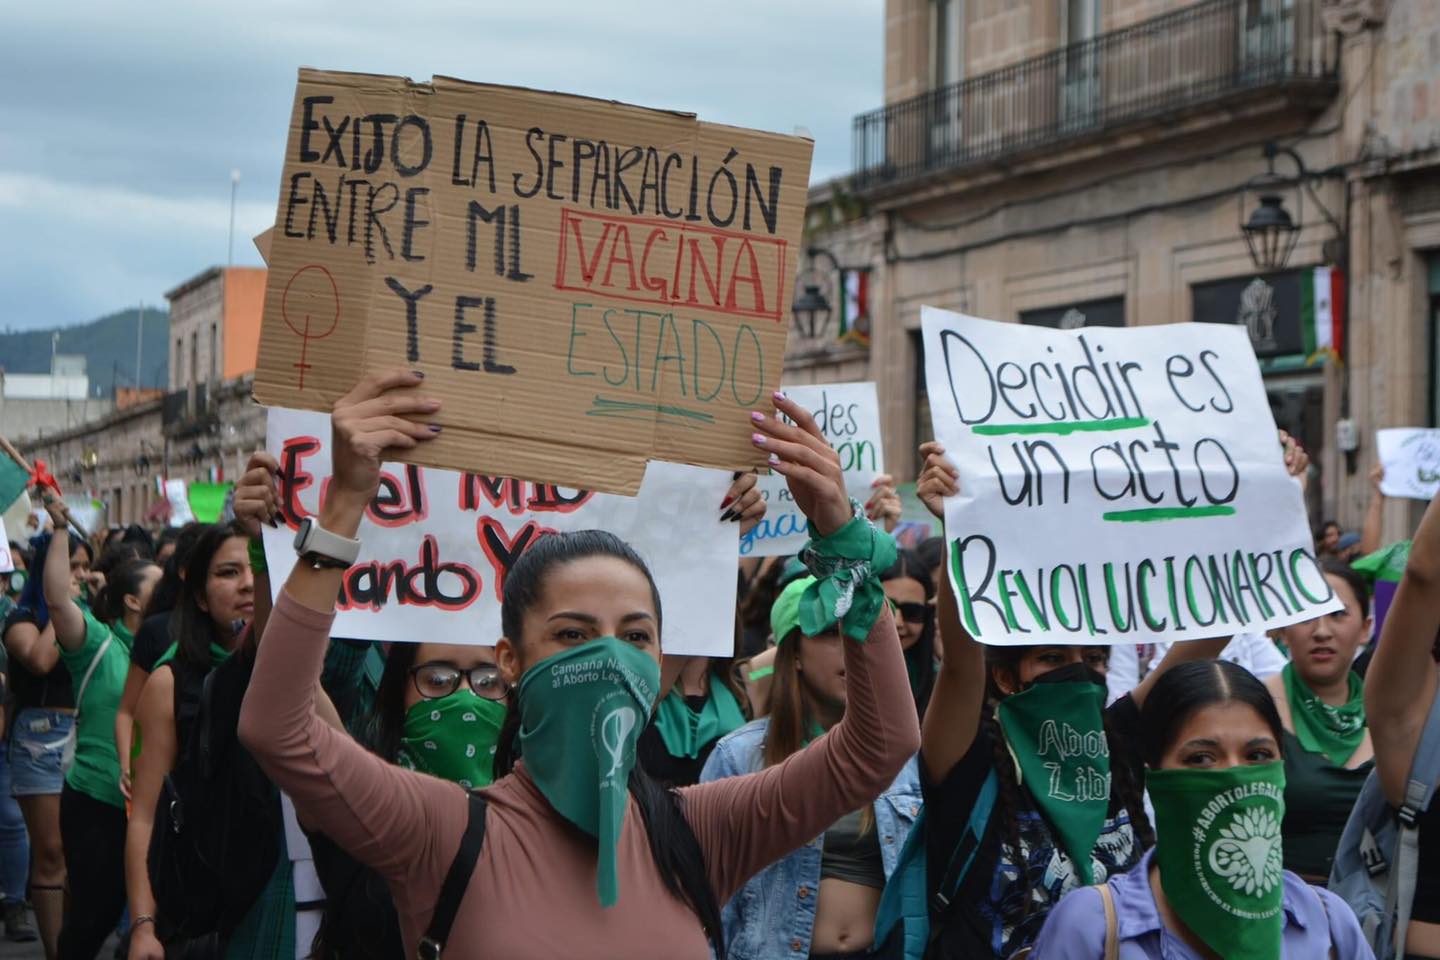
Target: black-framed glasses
[440, 679]
[913, 612]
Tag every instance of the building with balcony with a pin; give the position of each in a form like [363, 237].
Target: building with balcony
[1073, 162]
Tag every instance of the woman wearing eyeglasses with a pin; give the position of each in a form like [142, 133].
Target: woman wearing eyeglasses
[438, 710]
[909, 589]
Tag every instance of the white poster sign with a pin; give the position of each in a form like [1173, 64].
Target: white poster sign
[88, 512]
[1411, 458]
[849, 416]
[7, 562]
[437, 544]
[178, 495]
[1116, 485]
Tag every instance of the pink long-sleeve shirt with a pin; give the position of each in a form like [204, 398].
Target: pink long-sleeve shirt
[533, 890]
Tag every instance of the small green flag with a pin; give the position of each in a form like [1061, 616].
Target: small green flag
[207, 500]
[13, 481]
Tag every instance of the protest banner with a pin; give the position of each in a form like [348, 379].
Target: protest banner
[7, 562]
[1116, 485]
[1411, 458]
[587, 285]
[849, 416]
[177, 493]
[436, 544]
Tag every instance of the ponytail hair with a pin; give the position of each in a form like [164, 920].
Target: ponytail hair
[124, 580]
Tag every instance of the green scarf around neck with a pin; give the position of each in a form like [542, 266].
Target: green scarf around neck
[1336, 732]
[685, 732]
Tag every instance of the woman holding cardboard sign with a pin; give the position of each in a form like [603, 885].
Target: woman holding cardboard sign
[1026, 772]
[638, 872]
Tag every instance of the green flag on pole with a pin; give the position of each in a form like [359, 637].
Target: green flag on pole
[13, 481]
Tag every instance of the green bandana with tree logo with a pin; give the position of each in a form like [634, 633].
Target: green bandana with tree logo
[453, 738]
[599, 693]
[1220, 854]
[1056, 733]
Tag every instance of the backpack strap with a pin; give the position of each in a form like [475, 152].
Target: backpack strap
[90, 672]
[432, 945]
[1419, 791]
[968, 846]
[1112, 936]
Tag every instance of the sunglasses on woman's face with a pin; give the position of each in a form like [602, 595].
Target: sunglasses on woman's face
[912, 612]
[439, 679]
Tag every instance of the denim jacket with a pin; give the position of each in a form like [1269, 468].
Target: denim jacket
[773, 915]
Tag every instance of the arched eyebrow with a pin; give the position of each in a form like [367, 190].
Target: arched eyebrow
[592, 620]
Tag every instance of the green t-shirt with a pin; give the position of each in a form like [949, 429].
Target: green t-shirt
[96, 770]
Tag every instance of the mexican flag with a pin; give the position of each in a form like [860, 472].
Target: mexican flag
[1322, 307]
[855, 306]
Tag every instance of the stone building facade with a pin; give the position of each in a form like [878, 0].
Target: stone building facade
[1073, 162]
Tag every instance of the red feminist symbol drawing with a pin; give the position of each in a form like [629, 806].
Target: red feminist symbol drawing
[312, 299]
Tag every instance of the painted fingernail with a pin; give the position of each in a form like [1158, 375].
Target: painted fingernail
[735, 519]
[419, 374]
[758, 438]
[736, 475]
[274, 522]
[727, 501]
[727, 515]
[774, 458]
[435, 428]
[757, 416]
[779, 394]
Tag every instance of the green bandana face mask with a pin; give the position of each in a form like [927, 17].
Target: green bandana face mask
[1056, 733]
[1221, 855]
[581, 712]
[1334, 731]
[453, 738]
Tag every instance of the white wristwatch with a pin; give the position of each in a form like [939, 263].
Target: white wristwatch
[321, 548]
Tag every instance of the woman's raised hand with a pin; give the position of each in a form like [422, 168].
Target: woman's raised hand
[799, 452]
[743, 504]
[884, 506]
[366, 422]
[256, 499]
[938, 478]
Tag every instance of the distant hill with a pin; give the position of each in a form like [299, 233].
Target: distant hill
[108, 345]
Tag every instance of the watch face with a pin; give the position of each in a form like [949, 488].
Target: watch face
[303, 533]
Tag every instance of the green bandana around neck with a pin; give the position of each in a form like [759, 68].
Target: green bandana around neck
[1220, 854]
[1056, 732]
[685, 732]
[1334, 731]
[453, 738]
[599, 693]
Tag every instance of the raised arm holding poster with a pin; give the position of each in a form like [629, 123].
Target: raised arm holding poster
[849, 416]
[1117, 485]
[437, 544]
[586, 285]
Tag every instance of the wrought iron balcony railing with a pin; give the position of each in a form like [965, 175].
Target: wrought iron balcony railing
[1202, 55]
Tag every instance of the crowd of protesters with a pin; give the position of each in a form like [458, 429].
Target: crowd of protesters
[205, 775]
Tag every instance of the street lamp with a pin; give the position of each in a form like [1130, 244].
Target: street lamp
[1270, 231]
[812, 311]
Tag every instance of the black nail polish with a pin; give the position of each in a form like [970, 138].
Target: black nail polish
[435, 428]
[274, 522]
[728, 515]
[419, 373]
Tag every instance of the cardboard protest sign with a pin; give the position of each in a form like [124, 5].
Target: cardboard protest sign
[1411, 458]
[849, 416]
[437, 544]
[1117, 485]
[587, 285]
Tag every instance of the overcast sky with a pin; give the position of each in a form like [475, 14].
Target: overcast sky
[120, 123]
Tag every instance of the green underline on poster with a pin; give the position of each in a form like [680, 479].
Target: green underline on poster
[606, 407]
[1062, 429]
[1152, 514]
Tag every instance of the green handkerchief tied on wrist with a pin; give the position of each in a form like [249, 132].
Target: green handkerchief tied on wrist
[453, 738]
[581, 713]
[847, 565]
[1220, 853]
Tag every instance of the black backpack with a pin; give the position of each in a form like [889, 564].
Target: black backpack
[218, 823]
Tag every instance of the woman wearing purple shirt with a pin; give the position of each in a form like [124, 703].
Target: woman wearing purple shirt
[1213, 885]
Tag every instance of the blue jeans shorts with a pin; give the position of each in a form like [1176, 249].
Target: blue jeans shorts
[37, 742]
